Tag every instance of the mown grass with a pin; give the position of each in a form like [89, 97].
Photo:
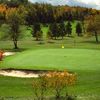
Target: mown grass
[81, 55]
[71, 59]
[85, 62]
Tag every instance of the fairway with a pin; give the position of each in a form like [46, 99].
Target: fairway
[84, 62]
[71, 59]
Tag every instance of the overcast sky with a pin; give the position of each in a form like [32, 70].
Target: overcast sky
[83, 3]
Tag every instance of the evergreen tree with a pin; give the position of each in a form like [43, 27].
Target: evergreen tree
[62, 29]
[54, 30]
[69, 28]
[79, 29]
[49, 34]
[36, 31]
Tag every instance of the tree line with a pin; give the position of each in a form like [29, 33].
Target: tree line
[45, 13]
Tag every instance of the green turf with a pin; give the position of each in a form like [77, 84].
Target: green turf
[87, 86]
[85, 62]
[81, 55]
[79, 59]
[45, 30]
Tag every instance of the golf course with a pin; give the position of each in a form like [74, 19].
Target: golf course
[78, 59]
[49, 50]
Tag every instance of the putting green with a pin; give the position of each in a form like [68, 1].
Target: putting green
[71, 59]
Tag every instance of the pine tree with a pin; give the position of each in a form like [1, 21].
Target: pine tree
[79, 29]
[62, 29]
[69, 28]
[54, 30]
[36, 31]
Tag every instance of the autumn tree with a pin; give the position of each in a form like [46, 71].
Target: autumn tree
[79, 29]
[14, 3]
[94, 26]
[3, 9]
[56, 82]
[46, 13]
[14, 20]
[59, 81]
[40, 87]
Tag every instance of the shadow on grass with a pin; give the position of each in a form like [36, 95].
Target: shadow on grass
[14, 50]
[33, 98]
[91, 42]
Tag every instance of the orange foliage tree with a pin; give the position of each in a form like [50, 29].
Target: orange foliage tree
[57, 82]
[3, 9]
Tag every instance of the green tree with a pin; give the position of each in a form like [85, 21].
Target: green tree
[49, 34]
[54, 30]
[69, 28]
[39, 35]
[36, 32]
[14, 21]
[79, 29]
[62, 29]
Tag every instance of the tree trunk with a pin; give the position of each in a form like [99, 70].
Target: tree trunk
[96, 37]
[57, 95]
[15, 45]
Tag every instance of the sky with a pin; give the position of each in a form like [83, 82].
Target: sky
[84, 3]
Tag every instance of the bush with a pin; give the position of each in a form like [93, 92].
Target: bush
[57, 82]
[1, 55]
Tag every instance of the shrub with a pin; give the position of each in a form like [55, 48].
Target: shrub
[57, 82]
[1, 55]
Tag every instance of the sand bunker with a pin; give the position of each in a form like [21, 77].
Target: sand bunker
[8, 53]
[19, 73]
[28, 73]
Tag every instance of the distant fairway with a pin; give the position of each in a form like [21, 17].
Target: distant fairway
[72, 59]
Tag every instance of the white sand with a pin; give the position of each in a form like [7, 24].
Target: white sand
[17, 73]
[21, 74]
[8, 53]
